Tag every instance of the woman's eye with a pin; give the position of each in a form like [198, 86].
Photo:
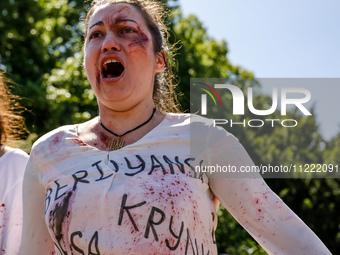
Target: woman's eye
[95, 35]
[128, 30]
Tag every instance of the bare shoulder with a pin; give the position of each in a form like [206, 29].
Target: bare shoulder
[4, 149]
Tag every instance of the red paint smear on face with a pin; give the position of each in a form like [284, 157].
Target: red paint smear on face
[141, 40]
[97, 78]
[111, 19]
[123, 8]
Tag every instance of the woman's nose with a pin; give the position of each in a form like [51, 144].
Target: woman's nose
[110, 43]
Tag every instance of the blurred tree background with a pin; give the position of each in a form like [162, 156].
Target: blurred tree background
[41, 51]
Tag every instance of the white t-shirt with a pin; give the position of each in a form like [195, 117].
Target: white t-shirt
[146, 197]
[12, 167]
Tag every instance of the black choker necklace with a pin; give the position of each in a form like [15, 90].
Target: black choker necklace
[118, 143]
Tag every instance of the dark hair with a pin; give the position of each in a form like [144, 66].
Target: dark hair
[12, 126]
[153, 13]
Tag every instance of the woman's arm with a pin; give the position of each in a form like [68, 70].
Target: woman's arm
[265, 216]
[35, 236]
[258, 209]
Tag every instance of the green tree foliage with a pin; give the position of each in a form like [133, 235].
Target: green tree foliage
[41, 49]
[200, 56]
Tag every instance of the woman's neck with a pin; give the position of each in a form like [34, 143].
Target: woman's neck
[122, 121]
[3, 149]
[119, 122]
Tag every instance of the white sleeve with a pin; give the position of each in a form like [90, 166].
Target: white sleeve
[257, 208]
[35, 236]
[12, 176]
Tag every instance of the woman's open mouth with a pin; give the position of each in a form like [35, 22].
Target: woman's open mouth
[111, 69]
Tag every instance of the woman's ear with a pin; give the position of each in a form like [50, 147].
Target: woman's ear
[160, 62]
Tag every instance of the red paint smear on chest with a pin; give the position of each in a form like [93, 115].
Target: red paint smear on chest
[55, 142]
[81, 143]
[105, 140]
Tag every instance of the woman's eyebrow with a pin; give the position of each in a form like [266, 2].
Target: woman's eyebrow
[99, 23]
[123, 20]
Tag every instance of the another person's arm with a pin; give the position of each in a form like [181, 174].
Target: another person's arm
[35, 236]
